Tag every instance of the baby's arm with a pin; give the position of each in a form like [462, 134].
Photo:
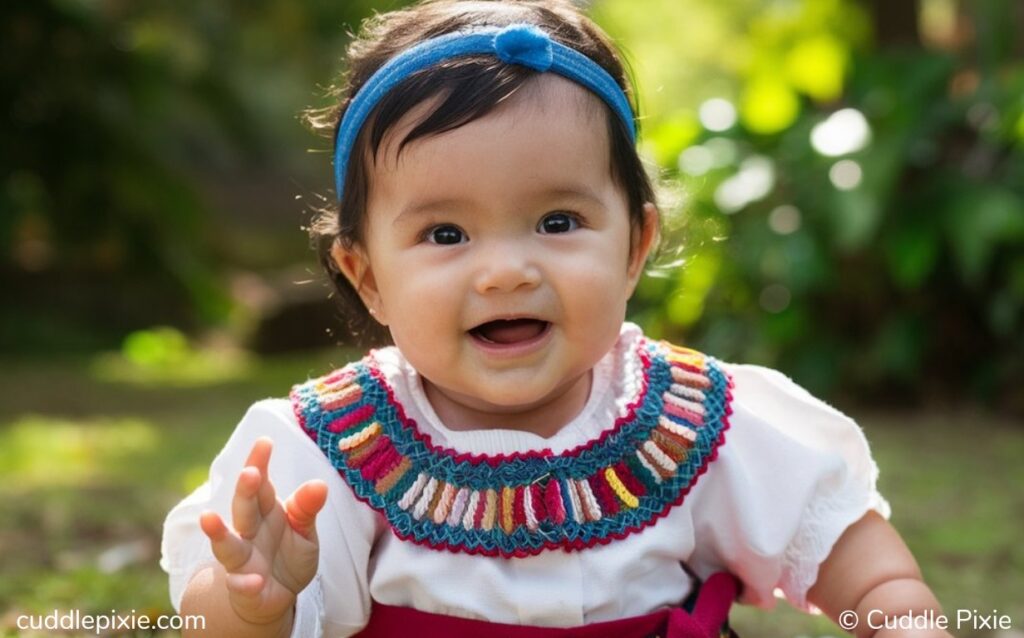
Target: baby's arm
[871, 568]
[269, 557]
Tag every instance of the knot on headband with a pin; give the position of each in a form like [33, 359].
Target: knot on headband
[525, 45]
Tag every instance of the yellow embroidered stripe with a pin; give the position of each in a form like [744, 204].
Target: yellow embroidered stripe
[624, 494]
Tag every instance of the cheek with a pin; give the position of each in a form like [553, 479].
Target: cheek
[405, 280]
[594, 298]
[602, 271]
[420, 301]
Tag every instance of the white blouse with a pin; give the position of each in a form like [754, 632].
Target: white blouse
[792, 475]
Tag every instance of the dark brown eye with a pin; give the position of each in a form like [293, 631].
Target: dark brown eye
[558, 223]
[446, 235]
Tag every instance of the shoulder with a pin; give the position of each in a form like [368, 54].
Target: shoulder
[317, 403]
[771, 389]
[290, 421]
[771, 415]
[272, 418]
[689, 375]
[770, 401]
[754, 392]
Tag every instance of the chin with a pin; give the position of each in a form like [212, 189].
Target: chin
[512, 398]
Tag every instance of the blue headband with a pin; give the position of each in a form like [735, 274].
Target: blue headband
[522, 44]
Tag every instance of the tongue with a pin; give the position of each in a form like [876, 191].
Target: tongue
[512, 331]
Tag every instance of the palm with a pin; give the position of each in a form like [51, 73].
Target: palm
[284, 559]
[274, 553]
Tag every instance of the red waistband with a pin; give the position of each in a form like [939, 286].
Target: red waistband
[705, 621]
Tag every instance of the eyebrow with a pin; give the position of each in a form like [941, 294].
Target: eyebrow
[417, 208]
[567, 192]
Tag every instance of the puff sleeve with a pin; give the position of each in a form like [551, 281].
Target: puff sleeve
[793, 474]
[346, 528]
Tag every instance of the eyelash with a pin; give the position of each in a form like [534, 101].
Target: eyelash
[428, 234]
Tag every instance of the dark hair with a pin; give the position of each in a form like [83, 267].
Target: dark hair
[468, 88]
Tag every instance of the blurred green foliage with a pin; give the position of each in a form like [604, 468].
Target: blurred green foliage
[124, 123]
[848, 202]
[164, 356]
[852, 209]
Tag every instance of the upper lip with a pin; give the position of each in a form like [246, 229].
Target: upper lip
[507, 317]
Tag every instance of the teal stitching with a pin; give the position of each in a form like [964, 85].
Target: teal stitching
[521, 471]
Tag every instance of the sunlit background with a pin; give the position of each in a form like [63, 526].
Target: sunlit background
[843, 200]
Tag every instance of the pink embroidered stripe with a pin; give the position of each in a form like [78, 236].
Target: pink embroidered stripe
[674, 410]
[349, 419]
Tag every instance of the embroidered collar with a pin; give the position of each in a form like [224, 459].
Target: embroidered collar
[521, 504]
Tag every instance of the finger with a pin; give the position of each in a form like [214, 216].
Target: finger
[230, 551]
[259, 457]
[260, 451]
[245, 510]
[303, 506]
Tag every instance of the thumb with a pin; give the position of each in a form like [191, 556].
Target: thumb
[303, 505]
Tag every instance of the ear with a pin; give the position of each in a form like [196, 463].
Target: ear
[642, 241]
[354, 264]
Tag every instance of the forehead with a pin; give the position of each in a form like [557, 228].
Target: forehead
[551, 132]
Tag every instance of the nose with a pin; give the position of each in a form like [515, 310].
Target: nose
[506, 268]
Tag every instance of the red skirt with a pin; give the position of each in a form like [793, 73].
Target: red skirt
[707, 619]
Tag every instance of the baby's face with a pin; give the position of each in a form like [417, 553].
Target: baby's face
[498, 254]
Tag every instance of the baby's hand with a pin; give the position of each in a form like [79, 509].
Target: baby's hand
[273, 551]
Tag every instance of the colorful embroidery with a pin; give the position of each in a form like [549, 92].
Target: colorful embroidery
[523, 503]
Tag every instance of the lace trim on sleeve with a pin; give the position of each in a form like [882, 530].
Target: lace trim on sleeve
[823, 522]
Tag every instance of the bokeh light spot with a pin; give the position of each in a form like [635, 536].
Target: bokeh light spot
[845, 131]
[717, 114]
[696, 160]
[785, 219]
[846, 175]
[754, 180]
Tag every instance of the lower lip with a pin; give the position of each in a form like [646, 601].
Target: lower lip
[511, 350]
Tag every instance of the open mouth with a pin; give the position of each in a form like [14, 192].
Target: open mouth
[506, 332]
